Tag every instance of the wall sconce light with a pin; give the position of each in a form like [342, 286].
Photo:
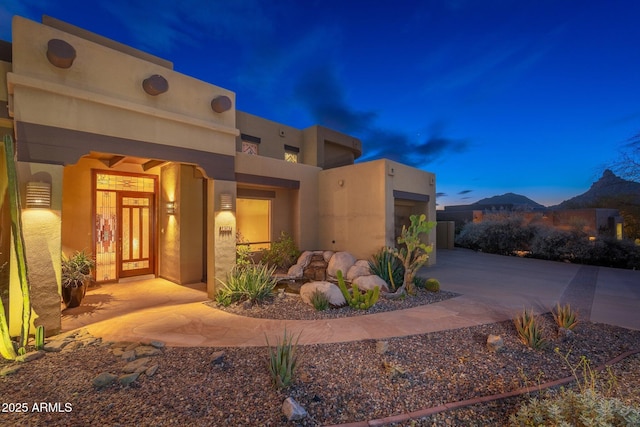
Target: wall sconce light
[226, 202]
[38, 195]
[171, 208]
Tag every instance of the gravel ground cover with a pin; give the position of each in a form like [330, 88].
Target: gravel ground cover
[335, 383]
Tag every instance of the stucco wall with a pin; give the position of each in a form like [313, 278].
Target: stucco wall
[304, 201]
[353, 209]
[357, 205]
[102, 93]
[5, 67]
[181, 234]
[273, 136]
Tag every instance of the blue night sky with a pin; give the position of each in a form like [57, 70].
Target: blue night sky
[494, 96]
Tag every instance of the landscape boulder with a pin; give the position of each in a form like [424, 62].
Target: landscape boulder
[360, 268]
[340, 261]
[333, 293]
[371, 281]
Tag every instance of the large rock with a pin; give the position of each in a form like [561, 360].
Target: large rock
[304, 258]
[295, 271]
[371, 281]
[360, 268]
[333, 293]
[495, 343]
[340, 261]
[292, 410]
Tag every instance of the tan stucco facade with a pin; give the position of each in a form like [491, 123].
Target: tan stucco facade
[100, 115]
[358, 205]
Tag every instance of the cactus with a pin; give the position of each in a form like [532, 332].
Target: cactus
[355, 299]
[40, 337]
[415, 253]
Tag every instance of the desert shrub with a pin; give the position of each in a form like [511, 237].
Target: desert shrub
[253, 282]
[282, 254]
[282, 360]
[575, 246]
[389, 267]
[569, 408]
[529, 330]
[558, 245]
[319, 300]
[609, 252]
[498, 234]
[586, 407]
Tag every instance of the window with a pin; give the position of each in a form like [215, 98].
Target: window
[249, 147]
[253, 222]
[291, 153]
[291, 157]
[250, 144]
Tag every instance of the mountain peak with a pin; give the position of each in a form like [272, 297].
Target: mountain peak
[608, 186]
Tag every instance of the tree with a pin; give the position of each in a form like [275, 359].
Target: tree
[628, 165]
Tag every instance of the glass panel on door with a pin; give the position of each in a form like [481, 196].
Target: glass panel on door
[136, 235]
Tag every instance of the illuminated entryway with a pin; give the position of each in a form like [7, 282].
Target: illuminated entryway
[124, 225]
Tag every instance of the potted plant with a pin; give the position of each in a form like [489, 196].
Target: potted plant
[76, 275]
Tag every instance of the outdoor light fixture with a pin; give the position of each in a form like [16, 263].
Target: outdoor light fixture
[226, 202]
[171, 208]
[38, 195]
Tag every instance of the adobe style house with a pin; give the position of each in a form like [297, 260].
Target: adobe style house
[155, 172]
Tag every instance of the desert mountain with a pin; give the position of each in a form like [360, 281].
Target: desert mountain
[518, 201]
[608, 187]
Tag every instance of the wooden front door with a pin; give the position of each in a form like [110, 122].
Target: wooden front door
[136, 238]
[125, 221]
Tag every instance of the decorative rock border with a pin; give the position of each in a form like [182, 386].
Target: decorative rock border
[138, 358]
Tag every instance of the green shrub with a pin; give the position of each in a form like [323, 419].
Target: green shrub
[283, 252]
[282, 360]
[319, 300]
[243, 250]
[529, 330]
[387, 266]
[565, 317]
[253, 282]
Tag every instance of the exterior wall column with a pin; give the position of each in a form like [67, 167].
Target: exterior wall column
[221, 234]
[42, 230]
